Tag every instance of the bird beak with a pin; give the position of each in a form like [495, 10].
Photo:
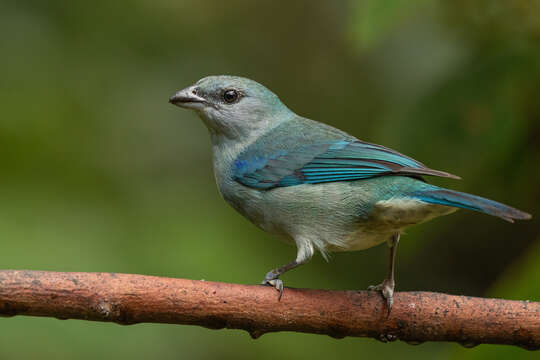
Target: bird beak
[187, 98]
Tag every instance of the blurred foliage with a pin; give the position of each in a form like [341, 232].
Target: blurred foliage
[99, 173]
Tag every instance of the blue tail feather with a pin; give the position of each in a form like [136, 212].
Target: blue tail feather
[440, 196]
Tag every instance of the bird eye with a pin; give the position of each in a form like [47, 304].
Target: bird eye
[230, 96]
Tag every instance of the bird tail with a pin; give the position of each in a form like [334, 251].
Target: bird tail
[440, 196]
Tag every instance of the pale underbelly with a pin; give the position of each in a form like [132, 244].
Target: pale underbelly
[328, 216]
[361, 240]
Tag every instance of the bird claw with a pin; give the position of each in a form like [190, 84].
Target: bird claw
[387, 290]
[272, 280]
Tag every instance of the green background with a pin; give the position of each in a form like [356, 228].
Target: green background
[99, 173]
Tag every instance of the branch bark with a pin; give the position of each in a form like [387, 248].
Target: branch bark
[129, 299]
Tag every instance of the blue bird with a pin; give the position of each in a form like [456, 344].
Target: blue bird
[312, 184]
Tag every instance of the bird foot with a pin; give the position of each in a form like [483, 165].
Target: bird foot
[387, 290]
[271, 279]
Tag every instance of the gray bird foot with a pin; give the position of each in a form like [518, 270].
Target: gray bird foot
[271, 279]
[387, 290]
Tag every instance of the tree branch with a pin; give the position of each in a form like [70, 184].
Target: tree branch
[129, 299]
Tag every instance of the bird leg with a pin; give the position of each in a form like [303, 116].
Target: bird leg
[305, 252]
[272, 277]
[387, 286]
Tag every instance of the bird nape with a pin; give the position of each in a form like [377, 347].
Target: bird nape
[312, 184]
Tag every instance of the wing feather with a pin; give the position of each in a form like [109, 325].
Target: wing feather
[344, 160]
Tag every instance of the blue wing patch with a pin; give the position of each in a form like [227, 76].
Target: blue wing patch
[343, 160]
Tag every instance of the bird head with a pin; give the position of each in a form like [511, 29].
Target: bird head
[232, 106]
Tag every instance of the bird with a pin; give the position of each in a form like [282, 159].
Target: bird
[313, 185]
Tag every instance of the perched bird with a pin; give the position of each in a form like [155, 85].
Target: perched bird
[312, 184]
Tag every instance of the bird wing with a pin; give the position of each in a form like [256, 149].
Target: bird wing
[342, 160]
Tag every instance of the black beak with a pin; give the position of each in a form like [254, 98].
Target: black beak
[174, 99]
[185, 96]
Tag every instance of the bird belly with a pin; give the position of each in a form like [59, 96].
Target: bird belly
[389, 217]
[361, 239]
[340, 216]
[325, 215]
[400, 212]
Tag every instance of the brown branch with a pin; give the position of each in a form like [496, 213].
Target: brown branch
[128, 299]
